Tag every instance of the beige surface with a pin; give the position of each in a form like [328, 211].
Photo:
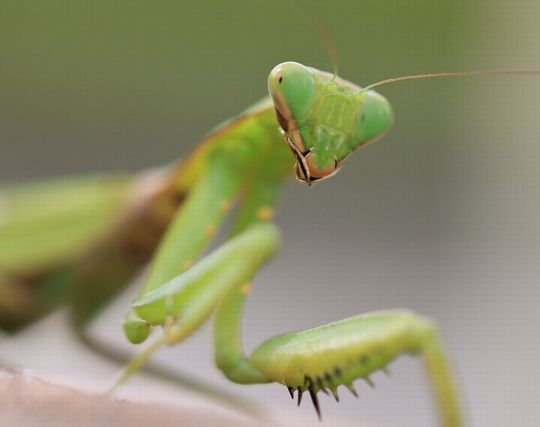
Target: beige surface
[28, 401]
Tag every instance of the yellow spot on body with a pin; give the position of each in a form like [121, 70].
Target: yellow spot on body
[170, 329]
[187, 264]
[169, 323]
[265, 213]
[245, 289]
[225, 205]
[210, 231]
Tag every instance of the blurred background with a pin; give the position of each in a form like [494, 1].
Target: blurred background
[442, 216]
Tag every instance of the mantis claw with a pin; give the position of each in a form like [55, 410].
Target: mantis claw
[351, 388]
[314, 398]
[291, 392]
[321, 385]
[300, 394]
[370, 382]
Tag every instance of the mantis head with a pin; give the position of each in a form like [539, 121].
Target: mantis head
[324, 118]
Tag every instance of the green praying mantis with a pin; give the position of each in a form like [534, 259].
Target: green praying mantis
[79, 241]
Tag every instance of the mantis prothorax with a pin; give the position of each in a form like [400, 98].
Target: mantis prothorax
[88, 237]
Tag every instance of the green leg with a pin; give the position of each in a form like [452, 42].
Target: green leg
[443, 386]
[323, 358]
[256, 207]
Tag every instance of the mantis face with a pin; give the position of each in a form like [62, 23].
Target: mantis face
[324, 118]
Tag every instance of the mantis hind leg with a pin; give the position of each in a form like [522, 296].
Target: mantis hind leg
[323, 358]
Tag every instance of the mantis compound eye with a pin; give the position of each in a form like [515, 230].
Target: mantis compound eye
[374, 120]
[292, 87]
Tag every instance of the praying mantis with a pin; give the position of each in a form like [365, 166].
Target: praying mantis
[91, 235]
[100, 230]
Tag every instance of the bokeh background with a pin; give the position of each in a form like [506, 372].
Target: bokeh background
[442, 217]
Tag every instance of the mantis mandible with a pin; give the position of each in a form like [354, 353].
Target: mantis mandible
[91, 235]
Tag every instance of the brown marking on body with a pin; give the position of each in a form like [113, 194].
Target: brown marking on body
[298, 142]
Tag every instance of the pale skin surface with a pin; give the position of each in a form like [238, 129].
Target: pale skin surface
[243, 164]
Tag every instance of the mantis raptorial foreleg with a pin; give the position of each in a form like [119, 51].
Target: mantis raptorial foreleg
[197, 223]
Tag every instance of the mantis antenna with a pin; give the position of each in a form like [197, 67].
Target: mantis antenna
[328, 42]
[481, 73]
[319, 27]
